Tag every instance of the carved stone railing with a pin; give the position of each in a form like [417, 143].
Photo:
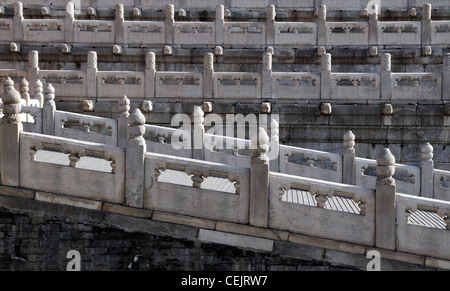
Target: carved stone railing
[247, 4]
[113, 85]
[46, 119]
[440, 31]
[85, 127]
[159, 140]
[295, 85]
[319, 220]
[301, 33]
[195, 33]
[367, 31]
[412, 86]
[332, 167]
[214, 147]
[400, 32]
[179, 84]
[144, 32]
[441, 183]
[68, 179]
[422, 239]
[348, 33]
[357, 86]
[39, 30]
[93, 31]
[407, 177]
[244, 33]
[66, 83]
[195, 199]
[237, 85]
[33, 122]
[227, 150]
[310, 163]
[107, 86]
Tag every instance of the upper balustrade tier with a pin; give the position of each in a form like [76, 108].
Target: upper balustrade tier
[175, 29]
[208, 84]
[255, 5]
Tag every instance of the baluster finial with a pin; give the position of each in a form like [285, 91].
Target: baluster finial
[260, 144]
[170, 11]
[322, 12]
[24, 90]
[136, 129]
[385, 167]
[427, 153]
[11, 101]
[38, 95]
[49, 94]
[349, 142]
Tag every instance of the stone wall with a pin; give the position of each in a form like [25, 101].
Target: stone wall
[32, 243]
[38, 236]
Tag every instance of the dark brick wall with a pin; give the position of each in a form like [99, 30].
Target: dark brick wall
[36, 242]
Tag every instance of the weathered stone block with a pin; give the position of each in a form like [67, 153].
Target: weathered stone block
[15, 192]
[404, 114]
[252, 231]
[124, 210]
[437, 263]
[410, 152]
[9, 146]
[412, 134]
[66, 200]
[354, 120]
[180, 219]
[441, 153]
[237, 240]
[355, 114]
[326, 244]
[430, 115]
[131, 224]
[299, 251]
[344, 258]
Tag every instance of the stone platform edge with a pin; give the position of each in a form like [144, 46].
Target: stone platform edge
[285, 243]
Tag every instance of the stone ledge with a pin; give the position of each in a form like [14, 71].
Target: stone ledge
[437, 263]
[126, 210]
[404, 257]
[252, 231]
[132, 224]
[16, 192]
[67, 200]
[186, 220]
[237, 240]
[236, 235]
[294, 250]
[335, 245]
[361, 261]
[42, 208]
